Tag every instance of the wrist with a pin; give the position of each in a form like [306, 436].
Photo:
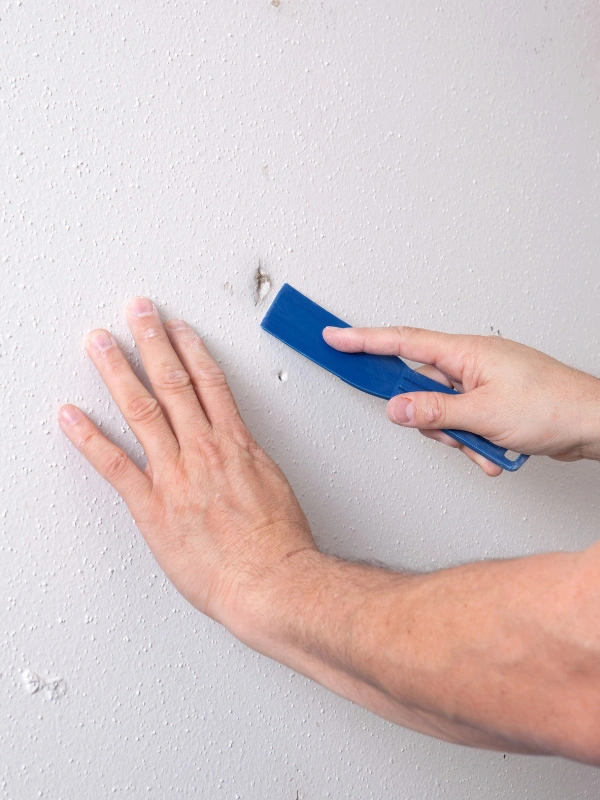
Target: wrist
[590, 448]
[270, 608]
[308, 608]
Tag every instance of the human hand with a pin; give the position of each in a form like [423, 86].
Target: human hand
[216, 511]
[516, 396]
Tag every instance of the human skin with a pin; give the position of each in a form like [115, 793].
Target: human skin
[512, 394]
[498, 654]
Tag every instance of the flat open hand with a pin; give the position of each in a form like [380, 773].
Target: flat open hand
[216, 511]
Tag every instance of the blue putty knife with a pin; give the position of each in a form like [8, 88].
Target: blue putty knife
[299, 323]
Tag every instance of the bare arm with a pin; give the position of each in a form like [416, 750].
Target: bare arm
[502, 655]
[498, 654]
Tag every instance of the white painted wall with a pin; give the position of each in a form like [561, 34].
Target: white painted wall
[397, 161]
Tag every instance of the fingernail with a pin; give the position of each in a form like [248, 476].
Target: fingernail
[401, 411]
[101, 341]
[141, 307]
[69, 415]
[331, 328]
[177, 324]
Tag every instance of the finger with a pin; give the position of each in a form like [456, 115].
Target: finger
[106, 458]
[208, 380]
[435, 410]
[141, 411]
[170, 381]
[491, 469]
[446, 351]
[486, 465]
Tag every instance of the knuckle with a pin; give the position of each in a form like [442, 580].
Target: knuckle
[400, 332]
[255, 450]
[86, 442]
[143, 409]
[210, 376]
[408, 337]
[151, 332]
[189, 338]
[213, 452]
[477, 350]
[242, 435]
[433, 411]
[115, 465]
[239, 442]
[470, 368]
[112, 360]
[173, 379]
[406, 332]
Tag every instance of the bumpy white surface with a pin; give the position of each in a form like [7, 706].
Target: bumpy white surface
[398, 162]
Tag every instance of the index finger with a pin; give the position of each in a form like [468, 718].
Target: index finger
[446, 351]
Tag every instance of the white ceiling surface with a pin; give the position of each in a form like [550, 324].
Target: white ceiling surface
[398, 162]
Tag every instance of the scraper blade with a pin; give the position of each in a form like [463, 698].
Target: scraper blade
[299, 323]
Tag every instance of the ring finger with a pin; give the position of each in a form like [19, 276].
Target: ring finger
[140, 409]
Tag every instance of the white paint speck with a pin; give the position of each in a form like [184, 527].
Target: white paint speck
[55, 689]
[32, 683]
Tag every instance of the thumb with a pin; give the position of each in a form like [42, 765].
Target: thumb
[434, 410]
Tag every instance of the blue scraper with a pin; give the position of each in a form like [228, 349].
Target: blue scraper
[299, 323]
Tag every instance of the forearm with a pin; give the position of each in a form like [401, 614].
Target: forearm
[476, 654]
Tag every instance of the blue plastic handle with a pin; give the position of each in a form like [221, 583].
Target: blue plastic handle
[412, 381]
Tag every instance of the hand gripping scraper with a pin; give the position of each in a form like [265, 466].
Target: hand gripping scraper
[299, 323]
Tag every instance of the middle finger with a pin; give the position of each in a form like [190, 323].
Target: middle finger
[170, 381]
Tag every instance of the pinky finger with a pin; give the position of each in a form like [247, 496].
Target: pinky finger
[491, 469]
[106, 458]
